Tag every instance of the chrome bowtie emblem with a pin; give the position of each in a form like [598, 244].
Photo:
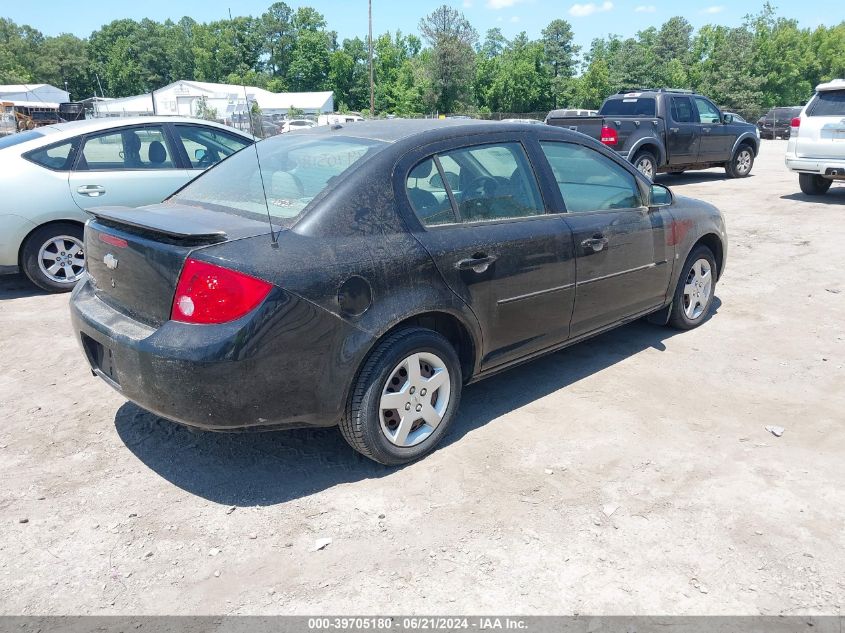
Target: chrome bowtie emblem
[110, 261]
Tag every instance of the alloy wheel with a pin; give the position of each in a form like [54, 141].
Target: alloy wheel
[414, 399]
[62, 259]
[743, 162]
[645, 167]
[697, 289]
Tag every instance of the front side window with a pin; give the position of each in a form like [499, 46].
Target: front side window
[707, 112]
[828, 103]
[57, 157]
[682, 110]
[589, 181]
[131, 148]
[206, 147]
[492, 182]
[295, 169]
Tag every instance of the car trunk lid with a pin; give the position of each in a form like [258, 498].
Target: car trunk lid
[134, 256]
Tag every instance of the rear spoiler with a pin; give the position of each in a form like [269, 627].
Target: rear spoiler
[193, 227]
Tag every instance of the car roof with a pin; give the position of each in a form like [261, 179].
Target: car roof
[87, 126]
[834, 84]
[394, 130]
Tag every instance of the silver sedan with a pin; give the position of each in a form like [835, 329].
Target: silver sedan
[50, 175]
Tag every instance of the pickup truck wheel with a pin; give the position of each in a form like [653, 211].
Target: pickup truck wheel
[814, 185]
[741, 163]
[646, 164]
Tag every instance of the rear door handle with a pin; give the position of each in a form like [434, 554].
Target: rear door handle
[92, 191]
[595, 243]
[706, 130]
[477, 263]
[674, 130]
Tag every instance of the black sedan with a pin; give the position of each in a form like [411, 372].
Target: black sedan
[364, 274]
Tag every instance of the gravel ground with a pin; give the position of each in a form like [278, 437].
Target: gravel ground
[631, 474]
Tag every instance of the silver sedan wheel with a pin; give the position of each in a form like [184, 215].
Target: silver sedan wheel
[697, 289]
[415, 399]
[743, 162]
[645, 167]
[62, 259]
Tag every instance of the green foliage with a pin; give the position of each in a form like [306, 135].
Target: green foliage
[766, 61]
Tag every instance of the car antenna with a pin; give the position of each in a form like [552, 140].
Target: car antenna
[274, 237]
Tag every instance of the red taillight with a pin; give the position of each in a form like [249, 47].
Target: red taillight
[796, 122]
[212, 294]
[609, 136]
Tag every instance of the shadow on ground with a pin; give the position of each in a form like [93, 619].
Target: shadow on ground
[18, 287]
[694, 177]
[246, 469]
[834, 195]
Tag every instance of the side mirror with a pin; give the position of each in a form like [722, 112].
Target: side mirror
[199, 154]
[660, 196]
[727, 118]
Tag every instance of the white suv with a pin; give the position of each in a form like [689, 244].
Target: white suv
[816, 148]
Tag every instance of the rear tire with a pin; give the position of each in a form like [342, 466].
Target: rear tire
[53, 256]
[693, 298]
[741, 163]
[425, 405]
[646, 164]
[814, 185]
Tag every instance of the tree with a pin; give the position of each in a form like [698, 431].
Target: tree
[451, 64]
[560, 54]
[277, 31]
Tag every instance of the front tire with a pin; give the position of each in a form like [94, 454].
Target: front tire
[741, 163]
[814, 185]
[693, 298]
[646, 164]
[404, 398]
[53, 256]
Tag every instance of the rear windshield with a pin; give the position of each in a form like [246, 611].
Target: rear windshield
[17, 139]
[295, 170]
[629, 106]
[828, 103]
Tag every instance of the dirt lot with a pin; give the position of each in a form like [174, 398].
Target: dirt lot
[628, 475]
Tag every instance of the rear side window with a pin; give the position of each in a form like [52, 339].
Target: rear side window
[589, 181]
[488, 182]
[629, 106]
[58, 157]
[682, 111]
[132, 148]
[828, 103]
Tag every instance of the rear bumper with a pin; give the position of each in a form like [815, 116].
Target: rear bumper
[831, 167]
[255, 372]
[13, 230]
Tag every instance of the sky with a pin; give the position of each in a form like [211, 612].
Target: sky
[589, 18]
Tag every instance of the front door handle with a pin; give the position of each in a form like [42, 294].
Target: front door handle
[674, 130]
[706, 130]
[478, 263]
[595, 243]
[92, 191]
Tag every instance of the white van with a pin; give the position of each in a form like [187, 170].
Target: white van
[816, 148]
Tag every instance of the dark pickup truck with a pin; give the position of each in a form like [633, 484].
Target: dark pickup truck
[664, 130]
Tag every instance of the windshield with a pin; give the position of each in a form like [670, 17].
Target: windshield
[295, 169]
[629, 106]
[828, 103]
[20, 137]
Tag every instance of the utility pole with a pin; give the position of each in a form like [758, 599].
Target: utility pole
[372, 87]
